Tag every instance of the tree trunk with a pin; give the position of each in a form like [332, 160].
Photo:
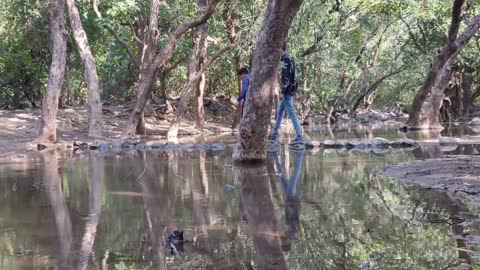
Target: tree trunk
[202, 32]
[448, 53]
[258, 107]
[431, 117]
[95, 122]
[151, 65]
[56, 73]
[467, 80]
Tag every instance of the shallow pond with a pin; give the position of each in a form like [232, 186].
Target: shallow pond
[322, 209]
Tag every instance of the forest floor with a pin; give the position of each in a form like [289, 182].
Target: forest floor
[20, 127]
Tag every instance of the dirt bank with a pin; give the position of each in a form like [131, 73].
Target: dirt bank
[19, 127]
[458, 174]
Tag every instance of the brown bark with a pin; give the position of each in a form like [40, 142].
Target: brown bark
[56, 73]
[258, 107]
[95, 122]
[447, 54]
[202, 32]
[155, 60]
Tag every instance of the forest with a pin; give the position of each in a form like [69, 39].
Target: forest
[144, 134]
[351, 55]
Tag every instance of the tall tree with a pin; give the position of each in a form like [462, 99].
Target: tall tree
[201, 33]
[258, 107]
[153, 59]
[56, 73]
[95, 123]
[427, 117]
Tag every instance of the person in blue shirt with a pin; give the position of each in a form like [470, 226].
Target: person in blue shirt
[244, 75]
[288, 87]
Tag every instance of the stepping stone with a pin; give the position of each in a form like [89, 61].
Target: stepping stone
[218, 146]
[404, 143]
[313, 144]
[142, 147]
[189, 147]
[380, 143]
[448, 141]
[448, 148]
[157, 147]
[380, 151]
[475, 122]
[357, 143]
[203, 147]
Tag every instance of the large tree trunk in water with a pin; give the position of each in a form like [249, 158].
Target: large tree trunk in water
[431, 117]
[448, 53]
[95, 123]
[151, 65]
[258, 107]
[56, 73]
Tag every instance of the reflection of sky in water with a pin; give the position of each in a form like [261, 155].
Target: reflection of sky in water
[301, 210]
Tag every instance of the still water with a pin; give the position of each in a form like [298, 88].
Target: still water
[301, 210]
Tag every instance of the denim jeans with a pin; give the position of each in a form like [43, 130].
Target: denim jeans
[287, 103]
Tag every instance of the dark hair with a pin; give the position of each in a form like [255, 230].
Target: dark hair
[243, 70]
[284, 47]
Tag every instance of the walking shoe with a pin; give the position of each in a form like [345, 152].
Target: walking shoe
[298, 143]
[272, 137]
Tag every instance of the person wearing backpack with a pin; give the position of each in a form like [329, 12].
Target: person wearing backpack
[289, 87]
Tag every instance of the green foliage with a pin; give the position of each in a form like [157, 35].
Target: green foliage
[338, 44]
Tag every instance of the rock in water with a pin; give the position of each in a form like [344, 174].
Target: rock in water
[475, 122]
[380, 143]
[448, 148]
[448, 141]
[333, 144]
[189, 147]
[356, 143]
[313, 144]
[380, 151]
[404, 143]
[218, 147]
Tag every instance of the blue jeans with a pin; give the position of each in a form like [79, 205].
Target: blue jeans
[287, 103]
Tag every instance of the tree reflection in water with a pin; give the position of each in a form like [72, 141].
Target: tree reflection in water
[54, 187]
[258, 209]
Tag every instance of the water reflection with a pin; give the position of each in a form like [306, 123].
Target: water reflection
[297, 211]
[55, 190]
[260, 217]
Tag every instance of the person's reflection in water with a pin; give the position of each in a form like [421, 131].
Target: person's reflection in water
[258, 210]
[292, 202]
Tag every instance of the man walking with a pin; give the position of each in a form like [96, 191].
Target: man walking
[288, 87]
[245, 79]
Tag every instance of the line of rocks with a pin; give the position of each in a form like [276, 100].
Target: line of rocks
[362, 144]
[376, 143]
[142, 146]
